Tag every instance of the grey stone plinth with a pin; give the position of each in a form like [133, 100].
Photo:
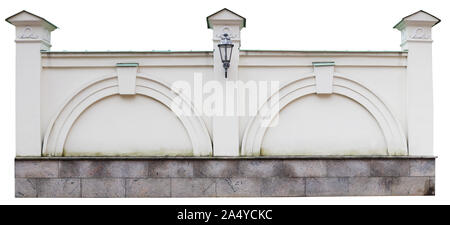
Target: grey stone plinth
[193, 187]
[327, 186]
[216, 168]
[239, 187]
[103, 188]
[348, 168]
[431, 188]
[36, 169]
[370, 186]
[260, 168]
[389, 168]
[59, 188]
[282, 186]
[224, 177]
[25, 188]
[422, 167]
[147, 187]
[103, 169]
[305, 168]
[411, 186]
[170, 168]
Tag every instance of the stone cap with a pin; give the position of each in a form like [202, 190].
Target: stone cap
[420, 18]
[225, 16]
[24, 18]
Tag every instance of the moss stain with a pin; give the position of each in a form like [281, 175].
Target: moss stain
[350, 152]
[159, 152]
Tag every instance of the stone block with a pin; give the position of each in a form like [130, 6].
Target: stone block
[239, 187]
[216, 168]
[103, 168]
[304, 168]
[59, 188]
[148, 187]
[389, 168]
[431, 189]
[283, 187]
[103, 188]
[170, 168]
[370, 186]
[422, 167]
[411, 186]
[36, 169]
[348, 168]
[25, 188]
[260, 168]
[327, 186]
[193, 187]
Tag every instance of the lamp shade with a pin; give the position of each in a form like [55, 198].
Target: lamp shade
[226, 50]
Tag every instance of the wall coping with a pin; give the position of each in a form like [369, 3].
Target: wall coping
[223, 158]
[209, 53]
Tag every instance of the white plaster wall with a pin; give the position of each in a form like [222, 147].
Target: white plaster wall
[60, 84]
[56, 90]
[145, 127]
[324, 125]
[127, 126]
[119, 125]
[170, 75]
[282, 74]
[388, 83]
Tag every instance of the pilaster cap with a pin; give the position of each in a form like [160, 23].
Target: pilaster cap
[24, 18]
[225, 16]
[420, 17]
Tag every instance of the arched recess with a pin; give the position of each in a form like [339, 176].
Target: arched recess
[389, 125]
[99, 89]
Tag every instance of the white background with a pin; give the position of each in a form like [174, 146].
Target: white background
[274, 25]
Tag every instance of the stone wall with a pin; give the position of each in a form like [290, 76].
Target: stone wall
[224, 177]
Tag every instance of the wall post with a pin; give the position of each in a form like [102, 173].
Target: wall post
[416, 39]
[32, 37]
[225, 128]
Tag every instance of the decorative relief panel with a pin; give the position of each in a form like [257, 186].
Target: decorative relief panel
[233, 32]
[420, 33]
[28, 33]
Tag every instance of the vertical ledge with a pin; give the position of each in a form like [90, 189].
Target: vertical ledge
[32, 37]
[126, 74]
[323, 72]
[416, 39]
[225, 128]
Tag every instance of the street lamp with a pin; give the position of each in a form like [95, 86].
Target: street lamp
[225, 49]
